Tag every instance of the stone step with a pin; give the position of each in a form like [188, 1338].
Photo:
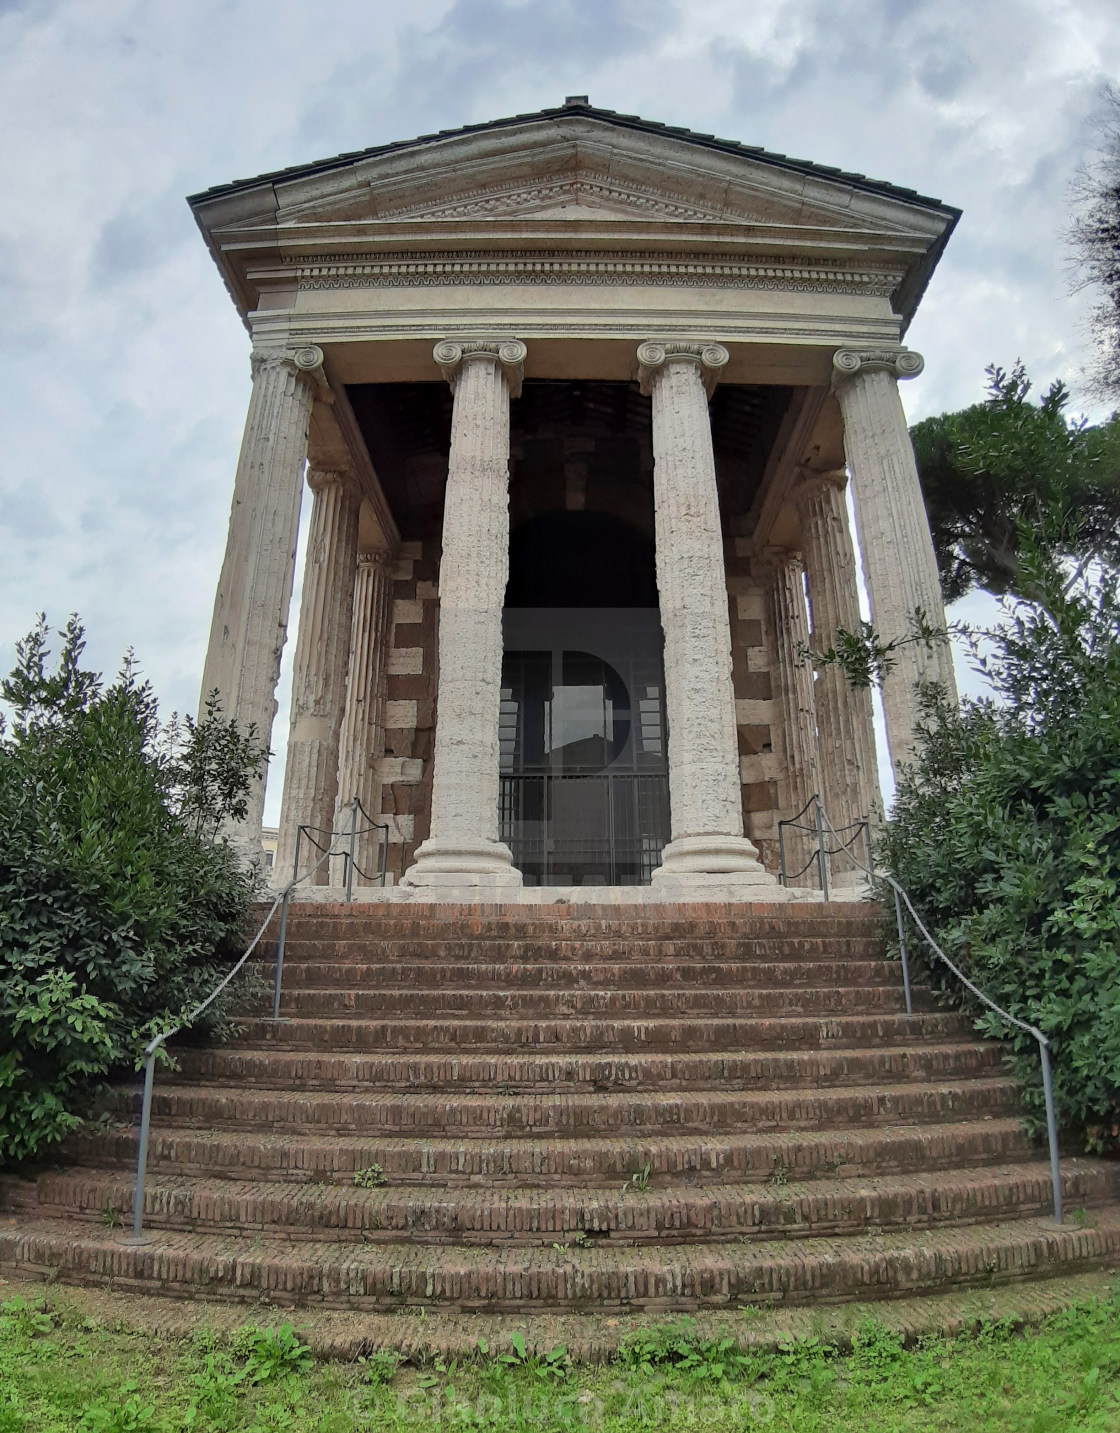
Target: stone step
[598, 975]
[528, 1004]
[614, 1035]
[654, 1278]
[670, 1213]
[587, 1161]
[784, 921]
[558, 952]
[656, 1112]
[468, 1072]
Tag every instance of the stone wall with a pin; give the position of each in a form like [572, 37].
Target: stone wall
[756, 689]
[410, 703]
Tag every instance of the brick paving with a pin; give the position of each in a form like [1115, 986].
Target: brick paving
[502, 1075]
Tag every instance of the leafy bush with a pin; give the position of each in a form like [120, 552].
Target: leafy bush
[1006, 833]
[120, 904]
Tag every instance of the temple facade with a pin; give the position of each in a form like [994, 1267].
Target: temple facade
[578, 398]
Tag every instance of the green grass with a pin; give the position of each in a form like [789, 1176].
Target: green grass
[60, 1372]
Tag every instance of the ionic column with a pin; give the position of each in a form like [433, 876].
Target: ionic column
[250, 623]
[898, 560]
[361, 741]
[463, 848]
[849, 774]
[705, 792]
[319, 671]
[797, 714]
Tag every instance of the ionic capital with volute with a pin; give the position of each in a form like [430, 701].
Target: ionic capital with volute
[656, 354]
[901, 362]
[305, 362]
[509, 353]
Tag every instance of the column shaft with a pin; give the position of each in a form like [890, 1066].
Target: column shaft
[705, 790]
[250, 622]
[798, 721]
[463, 847]
[362, 739]
[898, 559]
[319, 672]
[845, 735]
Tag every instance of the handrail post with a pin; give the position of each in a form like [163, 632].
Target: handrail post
[295, 863]
[902, 953]
[384, 855]
[1051, 1125]
[821, 861]
[142, 1154]
[350, 855]
[279, 976]
[781, 853]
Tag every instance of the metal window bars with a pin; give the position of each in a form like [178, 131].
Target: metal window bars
[349, 835]
[822, 825]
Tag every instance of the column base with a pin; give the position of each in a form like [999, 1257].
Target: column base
[481, 865]
[727, 866]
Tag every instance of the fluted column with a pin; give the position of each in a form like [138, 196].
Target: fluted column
[463, 848]
[362, 737]
[899, 565]
[849, 773]
[705, 791]
[796, 705]
[250, 622]
[319, 671]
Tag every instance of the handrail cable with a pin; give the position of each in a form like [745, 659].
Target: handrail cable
[900, 899]
[153, 1045]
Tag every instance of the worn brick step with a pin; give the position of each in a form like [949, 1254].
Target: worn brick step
[473, 1116]
[665, 1213]
[590, 1160]
[698, 1033]
[268, 1068]
[562, 953]
[681, 1277]
[548, 975]
[551, 1003]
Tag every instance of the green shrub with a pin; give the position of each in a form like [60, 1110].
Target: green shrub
[120, 904]
[1006, 834]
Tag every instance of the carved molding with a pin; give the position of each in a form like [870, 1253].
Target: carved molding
[450, 354]
[629, 270]
[902, 362]
[654, 354]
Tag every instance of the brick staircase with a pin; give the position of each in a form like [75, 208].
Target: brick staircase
[454, 1101]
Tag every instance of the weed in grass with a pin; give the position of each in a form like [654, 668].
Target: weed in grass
[29, 1320]
[778, 1177]
[578, 1239]
[380, 1366]
[132, 1415]
[370, 1177]
[271, 1353]
[112, 1218]
[549, 1367]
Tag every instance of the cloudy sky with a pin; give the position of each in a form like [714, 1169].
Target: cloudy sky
[126, 370]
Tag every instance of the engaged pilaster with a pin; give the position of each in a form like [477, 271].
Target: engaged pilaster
[319, 671]
[705, 794]
[463, 848]
[250, 623]
[898, 558]
[798, 720]
[362, 739]
[849, 773]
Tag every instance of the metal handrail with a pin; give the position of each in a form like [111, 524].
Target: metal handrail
[900, 899]
[817, 830]
[153, 1045]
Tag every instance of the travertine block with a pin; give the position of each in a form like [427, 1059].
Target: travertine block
[406, 661]
[407, 609]
[400, 716]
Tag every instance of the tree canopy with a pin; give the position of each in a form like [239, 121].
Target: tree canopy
[1009, 465]
[1094, 237]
